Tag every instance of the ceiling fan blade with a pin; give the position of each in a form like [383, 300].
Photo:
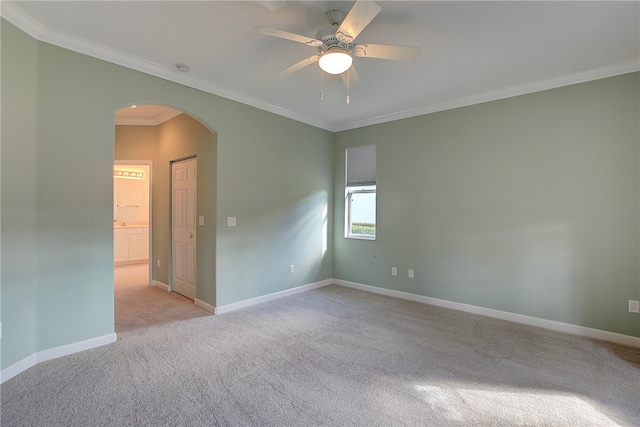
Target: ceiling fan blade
[350, 78]
[358, 17]
[298, 66]
[384, 51]
[289, 36]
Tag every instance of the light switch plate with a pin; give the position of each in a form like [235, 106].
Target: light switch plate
[201, 220]
[231, 221]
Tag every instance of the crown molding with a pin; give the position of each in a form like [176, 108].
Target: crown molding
[40, 32]
[125, 121]
[167, 115]
[25, 22]
[567, 80]
[20, 19]
[154, 121]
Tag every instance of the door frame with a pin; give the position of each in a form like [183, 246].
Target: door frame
[148, 163]
[170, 248]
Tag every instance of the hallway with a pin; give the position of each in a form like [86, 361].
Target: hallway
[138, 305]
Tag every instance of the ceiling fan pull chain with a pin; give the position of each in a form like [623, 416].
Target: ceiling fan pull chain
[321, 86]
[348, 83]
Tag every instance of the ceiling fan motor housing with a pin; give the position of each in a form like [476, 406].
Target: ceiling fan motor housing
[328, 34]
[328, 37]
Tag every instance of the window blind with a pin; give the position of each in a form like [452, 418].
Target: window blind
[361, 165]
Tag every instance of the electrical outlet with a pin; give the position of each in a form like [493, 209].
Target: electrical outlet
[634, 306]
[292, 269]
[394, 271]
[410, 273]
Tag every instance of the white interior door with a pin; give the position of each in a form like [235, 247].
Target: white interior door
[183, 189]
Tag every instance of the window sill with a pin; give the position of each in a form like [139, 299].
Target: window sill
[360, 237]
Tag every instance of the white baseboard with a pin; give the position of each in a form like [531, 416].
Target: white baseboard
[18, 367]
[53, 353]
[161, 285]
[205, 306]
[64, 350]
[497, 314]
[264, 298]
[198, 302]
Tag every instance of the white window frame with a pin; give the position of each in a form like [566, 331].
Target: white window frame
[360, 178]
[369, 189]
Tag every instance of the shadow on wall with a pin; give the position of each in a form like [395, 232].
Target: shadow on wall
[304, 243]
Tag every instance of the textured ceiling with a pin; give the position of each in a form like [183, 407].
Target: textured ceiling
[471, 51]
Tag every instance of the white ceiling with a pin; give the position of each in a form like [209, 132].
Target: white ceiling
[471, 51]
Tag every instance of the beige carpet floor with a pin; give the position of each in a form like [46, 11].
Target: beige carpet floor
[138, 305]
[333, 357]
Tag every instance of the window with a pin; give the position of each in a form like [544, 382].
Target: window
[360, 192]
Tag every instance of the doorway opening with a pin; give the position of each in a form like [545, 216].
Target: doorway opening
[132, 184]
[166, 136]
[132, 215]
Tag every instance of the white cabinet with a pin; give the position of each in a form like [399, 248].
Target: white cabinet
[130, 244]
[139, 247]
[120, 248]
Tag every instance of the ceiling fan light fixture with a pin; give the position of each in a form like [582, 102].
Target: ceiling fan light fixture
[335, 61]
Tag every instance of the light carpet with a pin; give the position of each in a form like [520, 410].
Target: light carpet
[138, 305]
[333, 356]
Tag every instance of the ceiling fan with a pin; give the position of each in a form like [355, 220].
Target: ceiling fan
[337, 45]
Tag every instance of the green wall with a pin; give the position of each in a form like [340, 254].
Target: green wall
[528, 205]
[289, 176]
[19, 174]
[272, 173]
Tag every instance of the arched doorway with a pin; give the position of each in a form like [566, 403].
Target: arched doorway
[160, 136]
